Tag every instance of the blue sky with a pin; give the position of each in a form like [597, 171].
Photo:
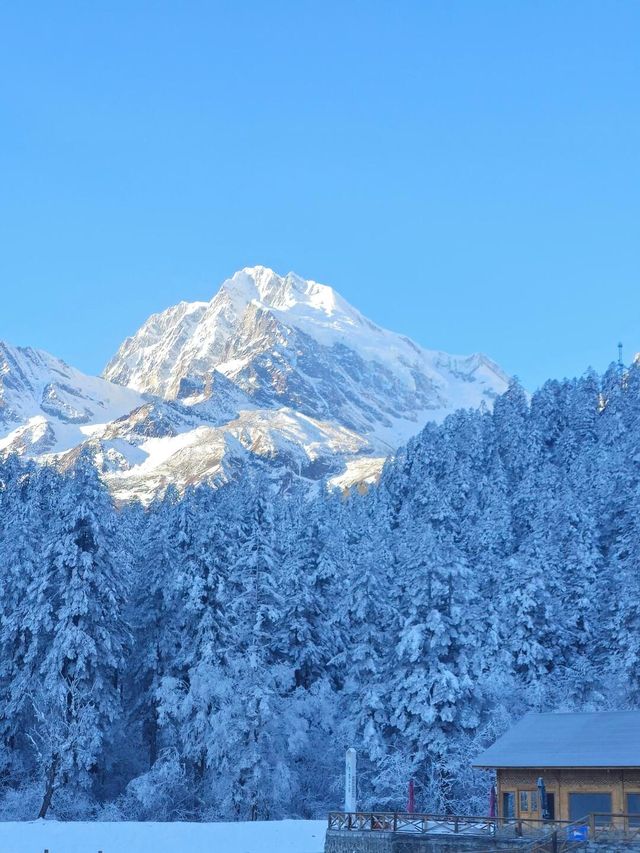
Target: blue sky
[464, 172]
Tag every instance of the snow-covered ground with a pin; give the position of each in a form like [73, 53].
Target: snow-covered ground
[282, 836]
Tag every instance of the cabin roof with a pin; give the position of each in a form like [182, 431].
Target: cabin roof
[599, 739]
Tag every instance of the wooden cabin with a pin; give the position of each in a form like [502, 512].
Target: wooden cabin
[589, 762]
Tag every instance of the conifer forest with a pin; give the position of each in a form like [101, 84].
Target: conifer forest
[210, 656]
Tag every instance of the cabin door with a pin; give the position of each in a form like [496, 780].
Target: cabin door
[551, 806]
[528, 804]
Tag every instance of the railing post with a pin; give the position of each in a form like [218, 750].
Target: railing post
[592, 826]
[395, 821]
[455, 825]
[554, 841]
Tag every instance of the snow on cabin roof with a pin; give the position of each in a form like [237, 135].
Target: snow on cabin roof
[602, 739]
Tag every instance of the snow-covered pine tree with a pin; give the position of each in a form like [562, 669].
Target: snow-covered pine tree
[152, 616]
[24, 507]
[258, 731]
[434, 694]
[73, 613]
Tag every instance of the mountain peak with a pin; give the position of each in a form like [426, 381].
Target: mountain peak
[264, 286]
[304, 347]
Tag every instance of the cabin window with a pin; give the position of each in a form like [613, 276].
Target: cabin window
[633, 808]
[508, 804]
[528, 801]
[582, 805]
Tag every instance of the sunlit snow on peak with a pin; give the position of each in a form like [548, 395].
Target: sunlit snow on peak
[283, 293]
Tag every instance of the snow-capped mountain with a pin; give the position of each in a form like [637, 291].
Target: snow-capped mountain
[273, 368]
[289, 342]
[48, 407]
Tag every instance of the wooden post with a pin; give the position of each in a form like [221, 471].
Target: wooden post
[592, 826]
[395, 821]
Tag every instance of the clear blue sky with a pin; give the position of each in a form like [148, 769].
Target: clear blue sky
[465, 172]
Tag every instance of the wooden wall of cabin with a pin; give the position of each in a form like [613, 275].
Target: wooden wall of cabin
[561, 783]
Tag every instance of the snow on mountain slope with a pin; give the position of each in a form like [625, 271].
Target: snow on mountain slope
[142, 443]
[361, 471]
[47, 406]
[289, 342]
[274, 370]
[288, 443]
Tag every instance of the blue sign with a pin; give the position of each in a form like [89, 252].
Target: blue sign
[578, 833]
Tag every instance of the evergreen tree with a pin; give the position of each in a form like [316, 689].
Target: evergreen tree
[73, 616]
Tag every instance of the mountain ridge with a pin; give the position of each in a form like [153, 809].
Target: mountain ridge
[276, 369]
[262, 347]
